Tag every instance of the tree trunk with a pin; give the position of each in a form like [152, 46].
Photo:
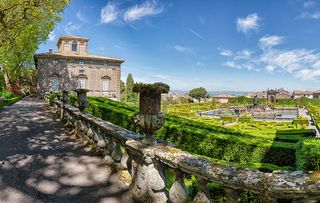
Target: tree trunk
[7, 80]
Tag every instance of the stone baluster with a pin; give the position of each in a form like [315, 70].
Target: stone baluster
[90, 133]
[82, 99]
[101, 143]
[109, 149]
[233, 195]
[131, 164]
[203, 195]
[178, 192]
[117, 155]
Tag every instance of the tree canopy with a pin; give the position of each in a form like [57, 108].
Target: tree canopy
[23, 26]
[198, 93]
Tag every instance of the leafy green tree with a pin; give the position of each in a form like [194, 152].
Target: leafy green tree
[23, 26]
[198, 93]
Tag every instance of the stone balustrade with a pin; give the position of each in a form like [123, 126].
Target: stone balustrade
[144, 166]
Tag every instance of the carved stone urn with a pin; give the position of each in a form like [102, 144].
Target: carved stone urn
[82, 98]
[149, 119]
[65, 96]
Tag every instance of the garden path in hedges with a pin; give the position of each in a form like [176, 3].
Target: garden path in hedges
[40, 162]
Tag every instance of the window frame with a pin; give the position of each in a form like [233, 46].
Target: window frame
[105, 85]
[74, 46]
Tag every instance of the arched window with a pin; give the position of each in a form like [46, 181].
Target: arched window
[74, 45]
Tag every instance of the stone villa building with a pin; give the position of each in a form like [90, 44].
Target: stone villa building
[72, 67]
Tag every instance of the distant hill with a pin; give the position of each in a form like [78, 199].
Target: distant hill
[232, 93]
[213, 93]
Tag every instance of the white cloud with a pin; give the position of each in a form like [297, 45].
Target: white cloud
[251, 22]
[232, 64]
[225, 52]
[307, 15]
[81, 17]
[109, 13]
[309, 4]
[301, 63]
[244, 54]
[182, 49]
[137, 12]
[270, 68]
[51, 36]
[70, 28]
[269, 41]
[196, 34]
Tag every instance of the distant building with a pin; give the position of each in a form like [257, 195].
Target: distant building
[316, 94]
[73, 67]
[222, 98]
[305, 93]
[273, 95]
[260, 95]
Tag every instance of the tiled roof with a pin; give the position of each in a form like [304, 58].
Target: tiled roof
[302, 92]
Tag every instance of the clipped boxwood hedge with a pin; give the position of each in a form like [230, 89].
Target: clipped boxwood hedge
[301, 121]
[229, 119]
[308, 154]
[227, 147]
[211, 141]
[245, 119]
[10, 101]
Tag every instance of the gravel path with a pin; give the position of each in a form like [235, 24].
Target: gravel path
[39, 162]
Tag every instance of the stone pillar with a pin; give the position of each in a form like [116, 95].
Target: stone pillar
[82, 99]
[149, 118]
[148, 183]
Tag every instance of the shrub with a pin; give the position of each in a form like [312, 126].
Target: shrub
[51, 98]
[245, 119]
[9, 101]
[301, 121]
[308, 155]
[6, 94]
[228, 119]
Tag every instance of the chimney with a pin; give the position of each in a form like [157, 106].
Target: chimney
[50, 51]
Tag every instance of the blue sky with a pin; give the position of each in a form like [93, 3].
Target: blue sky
[221, 45]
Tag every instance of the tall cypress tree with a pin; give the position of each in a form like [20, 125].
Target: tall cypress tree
[123, 95]
[129, 89]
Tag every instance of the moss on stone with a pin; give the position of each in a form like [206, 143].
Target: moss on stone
[151, 88]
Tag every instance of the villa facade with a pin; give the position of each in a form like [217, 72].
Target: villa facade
[305, 93]
[72, 67]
